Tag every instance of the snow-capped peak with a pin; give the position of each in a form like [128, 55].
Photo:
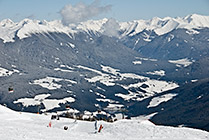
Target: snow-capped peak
[26, 27]
[197, 20]
[92, 25]
[164, 25]
[6, 22]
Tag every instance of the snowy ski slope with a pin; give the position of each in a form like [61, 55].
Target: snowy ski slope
[27, 126]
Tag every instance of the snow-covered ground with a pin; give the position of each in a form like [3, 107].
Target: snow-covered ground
[26, 126]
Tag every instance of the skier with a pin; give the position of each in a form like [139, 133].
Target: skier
[50, 124]
[95, 125]
[100, 128]
[58, 118]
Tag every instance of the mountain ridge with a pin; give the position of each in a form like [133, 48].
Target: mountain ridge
[160, 26]
[101, 65]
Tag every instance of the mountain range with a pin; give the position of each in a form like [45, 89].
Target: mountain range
[138, 68]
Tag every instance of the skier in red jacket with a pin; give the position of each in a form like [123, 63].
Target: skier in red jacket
[100, 128]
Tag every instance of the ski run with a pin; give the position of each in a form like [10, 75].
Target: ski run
[27, 126]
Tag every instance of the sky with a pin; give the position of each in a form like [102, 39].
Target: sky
[80, 10]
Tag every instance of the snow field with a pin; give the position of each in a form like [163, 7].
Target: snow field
[26, 126]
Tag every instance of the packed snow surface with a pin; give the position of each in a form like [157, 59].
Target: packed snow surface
[26, 126]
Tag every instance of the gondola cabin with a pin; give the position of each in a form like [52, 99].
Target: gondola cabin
[10, 89]
[67, 106]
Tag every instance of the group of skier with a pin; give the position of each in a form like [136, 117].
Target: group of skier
[100, 127]
[66, 127]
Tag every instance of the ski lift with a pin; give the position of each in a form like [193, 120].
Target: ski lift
[11, 89]
[67, 106]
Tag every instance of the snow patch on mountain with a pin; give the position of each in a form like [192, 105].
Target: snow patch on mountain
[110, 70]
[171, 37]
[199, 97]
[51, 82]
[151, 88]
[146, 59]
[71, 45]
[182, 62]
[195, 80]
[99, 94]
[192, 31]
[48, 103]
[5, 72]
[105, 100]
[114, 106]
[160, 73]
[168, 26]
[130, 96]
[104, 78]
[146, 37]
[158, 100]
[137, 41]
[64, 68]
[48, 83]
[137, 62]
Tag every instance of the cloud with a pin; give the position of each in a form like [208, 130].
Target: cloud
[81, 12]
[31, 16]
[111, 28]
